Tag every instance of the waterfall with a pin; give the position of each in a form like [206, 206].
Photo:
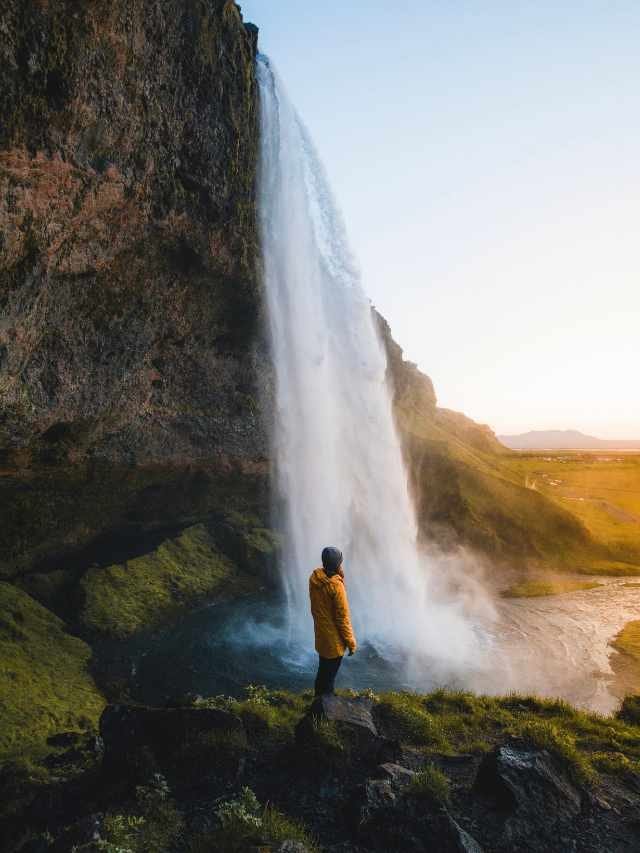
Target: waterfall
[339, 472]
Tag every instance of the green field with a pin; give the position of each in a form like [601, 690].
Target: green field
[601, 489]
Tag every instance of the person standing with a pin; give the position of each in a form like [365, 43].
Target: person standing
[331, 618]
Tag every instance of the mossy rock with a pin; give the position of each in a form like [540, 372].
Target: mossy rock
[45, 686]
[630, 710]
[123, 599]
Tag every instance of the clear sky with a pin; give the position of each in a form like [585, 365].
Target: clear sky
[486, 156]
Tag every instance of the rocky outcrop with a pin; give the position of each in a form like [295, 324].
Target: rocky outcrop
[523, 784]
[127, 264]
[202, 773]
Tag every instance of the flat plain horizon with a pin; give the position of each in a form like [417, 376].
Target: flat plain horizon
[485, 160]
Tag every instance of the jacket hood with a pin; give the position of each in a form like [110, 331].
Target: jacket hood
[319, 578]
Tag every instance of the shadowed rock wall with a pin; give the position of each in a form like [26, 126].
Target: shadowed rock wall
[130, 333]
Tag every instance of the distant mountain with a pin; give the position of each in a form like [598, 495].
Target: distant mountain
[563, 439]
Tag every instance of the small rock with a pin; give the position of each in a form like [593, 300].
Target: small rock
[396, 774]
[292, 847]
[353, 720]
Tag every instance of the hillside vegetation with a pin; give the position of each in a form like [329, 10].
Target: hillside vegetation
[563, 511]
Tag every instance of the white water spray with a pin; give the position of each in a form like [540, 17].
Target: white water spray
[339, 465]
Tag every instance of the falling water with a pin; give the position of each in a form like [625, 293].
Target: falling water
[339, 469]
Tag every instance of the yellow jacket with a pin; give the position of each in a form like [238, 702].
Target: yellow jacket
[331, 618]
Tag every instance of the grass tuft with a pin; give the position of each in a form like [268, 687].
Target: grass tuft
[431, 784]
[559, 743]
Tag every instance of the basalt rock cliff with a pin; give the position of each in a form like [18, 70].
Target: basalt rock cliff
[131, 356]
[133, 371]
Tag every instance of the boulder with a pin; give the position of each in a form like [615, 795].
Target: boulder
[353, 722]
[530, 793]
[350, 713]
[383, 818]
[139, 739]
[527, 781]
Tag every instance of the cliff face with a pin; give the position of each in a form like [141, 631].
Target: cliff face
[127, 279]
[129, 306]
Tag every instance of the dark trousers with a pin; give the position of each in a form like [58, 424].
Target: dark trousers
[327, 671]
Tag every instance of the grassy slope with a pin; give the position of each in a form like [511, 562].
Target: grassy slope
[124, 598]
[601, 489]
[470, 489]
[455, 722]
[44, 683]
[45, 687]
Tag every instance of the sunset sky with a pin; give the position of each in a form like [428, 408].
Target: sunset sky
[486, 158]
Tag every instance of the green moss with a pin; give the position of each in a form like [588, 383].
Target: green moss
[123, 599]
[278, 827]
[44, 682]
[266, 714]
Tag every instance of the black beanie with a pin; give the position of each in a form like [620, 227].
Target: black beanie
[331, 559]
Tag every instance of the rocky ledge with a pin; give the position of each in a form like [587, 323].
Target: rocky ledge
[446, 772]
